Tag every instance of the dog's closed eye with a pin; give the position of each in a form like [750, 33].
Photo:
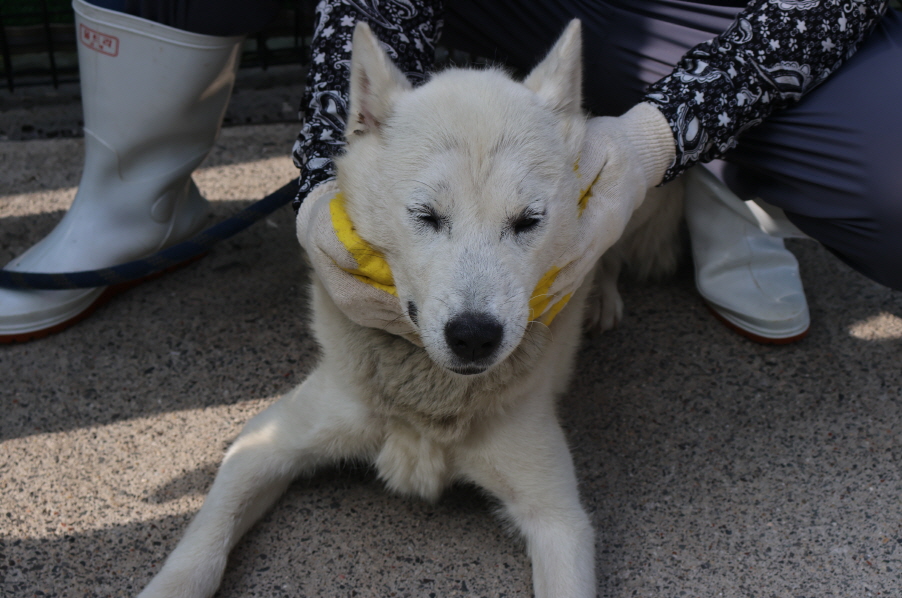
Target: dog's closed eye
[521, 225]
[526, 221]
[428, 217]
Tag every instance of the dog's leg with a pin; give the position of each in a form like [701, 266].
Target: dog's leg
[604, 309]
[527, 466]
[650, 245]
[314, 424]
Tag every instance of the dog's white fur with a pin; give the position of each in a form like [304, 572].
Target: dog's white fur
[466, 185]
[650, 248]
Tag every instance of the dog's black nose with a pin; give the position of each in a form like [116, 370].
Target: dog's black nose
[473, 336]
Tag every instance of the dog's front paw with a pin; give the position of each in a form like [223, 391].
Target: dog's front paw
[604, 311]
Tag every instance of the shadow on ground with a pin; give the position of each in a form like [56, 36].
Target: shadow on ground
[226, 328]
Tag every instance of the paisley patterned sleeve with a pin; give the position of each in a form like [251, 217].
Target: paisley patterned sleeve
[408, 30]
[774, 53]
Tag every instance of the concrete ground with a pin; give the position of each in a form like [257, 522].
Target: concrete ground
[710, 466]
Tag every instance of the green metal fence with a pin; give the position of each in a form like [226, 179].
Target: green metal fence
[37, 41]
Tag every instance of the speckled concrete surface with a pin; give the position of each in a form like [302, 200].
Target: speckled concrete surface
[710, 466]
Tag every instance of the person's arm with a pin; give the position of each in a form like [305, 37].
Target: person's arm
[775, 52]
[407, 30]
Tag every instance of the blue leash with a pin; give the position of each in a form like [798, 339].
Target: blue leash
[158, 262]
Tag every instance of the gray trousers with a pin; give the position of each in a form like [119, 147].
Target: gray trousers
[833, 162]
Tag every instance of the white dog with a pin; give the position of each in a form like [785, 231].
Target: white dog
[467, 194]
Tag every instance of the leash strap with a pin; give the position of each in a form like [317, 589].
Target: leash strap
[158, 262]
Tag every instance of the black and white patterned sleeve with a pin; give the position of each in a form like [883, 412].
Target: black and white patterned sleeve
[774, 53]
[408, 30]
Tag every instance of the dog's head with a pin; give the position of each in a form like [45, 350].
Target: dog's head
[467, 186]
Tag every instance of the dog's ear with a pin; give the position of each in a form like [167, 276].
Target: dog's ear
[375, 83]
[558, 79]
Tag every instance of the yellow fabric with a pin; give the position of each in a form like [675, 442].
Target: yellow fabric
[586, 194]
[548, 317]
[540, 297]
[538, 303]
[375, 271]
[371, 265]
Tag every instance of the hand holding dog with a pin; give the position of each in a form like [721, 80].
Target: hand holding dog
[355, 275]
[621, 159]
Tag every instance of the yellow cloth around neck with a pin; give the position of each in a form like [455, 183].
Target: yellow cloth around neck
[375, 271]
[586, 193]
[371, 265]
[538, 304]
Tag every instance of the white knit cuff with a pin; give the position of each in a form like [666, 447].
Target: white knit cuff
[650, 133]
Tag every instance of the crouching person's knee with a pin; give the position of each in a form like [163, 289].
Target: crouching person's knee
[884, 252]
[870, 240]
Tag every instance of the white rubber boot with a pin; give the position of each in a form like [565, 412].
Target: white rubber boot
[153, 99]
[742, 267]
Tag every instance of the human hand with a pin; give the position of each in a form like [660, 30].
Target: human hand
[357, 277]
[621, 159]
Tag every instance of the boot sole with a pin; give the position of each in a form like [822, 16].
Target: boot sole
[105, 297]
[763, 340]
